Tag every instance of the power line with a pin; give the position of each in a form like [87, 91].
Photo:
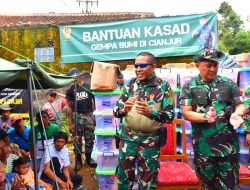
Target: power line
[65, 4]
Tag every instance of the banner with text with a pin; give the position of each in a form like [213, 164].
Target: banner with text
[163, 36]
[17, 99]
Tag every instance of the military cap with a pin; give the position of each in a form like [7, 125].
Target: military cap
[5, 107]
[209, 55]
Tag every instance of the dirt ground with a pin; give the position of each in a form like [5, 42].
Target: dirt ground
[89, 176]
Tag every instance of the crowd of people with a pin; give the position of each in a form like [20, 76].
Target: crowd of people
[211, 102]
[52, 157]
[16, 153]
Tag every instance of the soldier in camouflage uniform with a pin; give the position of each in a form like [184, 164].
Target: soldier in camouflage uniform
[85, 117]
[206, 101]
[206, 34]
[145, 103]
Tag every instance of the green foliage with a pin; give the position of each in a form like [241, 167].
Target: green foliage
[232, 37]
[242, 42]
[231, 21]
[222, 46]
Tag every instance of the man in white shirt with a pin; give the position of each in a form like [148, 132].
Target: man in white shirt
[59, 156]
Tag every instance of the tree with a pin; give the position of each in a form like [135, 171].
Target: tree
[242, 42]
[231, 32]
[230, 20]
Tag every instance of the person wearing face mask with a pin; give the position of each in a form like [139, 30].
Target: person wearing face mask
[145, 104]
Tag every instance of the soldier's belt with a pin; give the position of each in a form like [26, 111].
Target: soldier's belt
[140, 133]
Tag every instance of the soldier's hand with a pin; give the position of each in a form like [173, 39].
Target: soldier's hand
[128, 105]
[142, 107]
[211, 115]
[236, 120]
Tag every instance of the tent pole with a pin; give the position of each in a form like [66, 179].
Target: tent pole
[76, 121]
[32, 123]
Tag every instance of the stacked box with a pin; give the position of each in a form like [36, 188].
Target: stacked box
[105, 101]
[106, 121]
[107, 160]
[189, 145]
[244, 148]
[191, 160]
[105, 141]
[244, 77]
[188, 126]
[242, 141]
[243, 59]
[106, 179]
[128, 75]
[105, 149]
[169, 75]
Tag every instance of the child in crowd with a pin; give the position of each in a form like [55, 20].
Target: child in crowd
[21, 166]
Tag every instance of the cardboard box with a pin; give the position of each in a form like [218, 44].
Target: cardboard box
[103, 76]
[175, 65]
[130, 68]
[191, 65]
[244, 64]
[243, 57]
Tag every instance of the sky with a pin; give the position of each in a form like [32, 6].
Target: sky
[159, 7]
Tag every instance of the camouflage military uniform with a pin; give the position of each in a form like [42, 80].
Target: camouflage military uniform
[206, 34]
[85, 129]
[138, 145]
[85, 120]
[216, 145]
